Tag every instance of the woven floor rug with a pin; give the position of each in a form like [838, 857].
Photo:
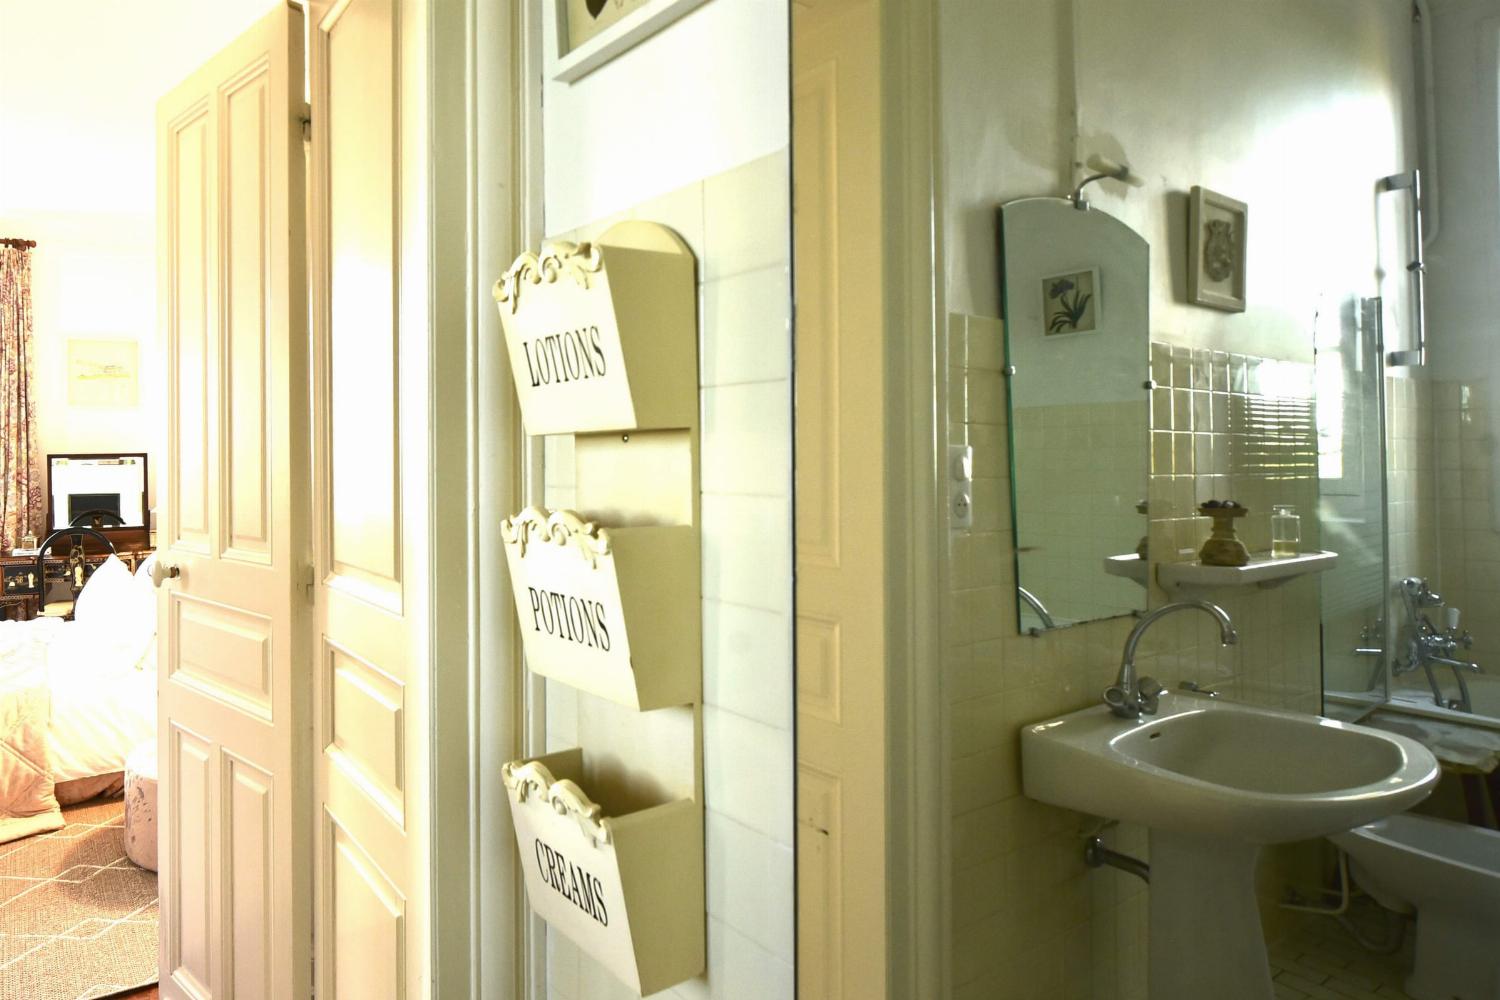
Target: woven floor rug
[77, 918]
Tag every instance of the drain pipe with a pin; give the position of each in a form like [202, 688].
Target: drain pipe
[1096, 855]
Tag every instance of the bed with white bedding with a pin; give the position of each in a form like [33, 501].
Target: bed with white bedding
[75, 697]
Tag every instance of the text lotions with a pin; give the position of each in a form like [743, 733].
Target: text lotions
[564, 357]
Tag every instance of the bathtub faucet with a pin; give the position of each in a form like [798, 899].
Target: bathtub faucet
[1428, 646]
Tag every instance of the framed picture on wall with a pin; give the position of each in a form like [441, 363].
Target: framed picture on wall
[590, 33]
[1216, 250]
[1070, 303]
[103, 373]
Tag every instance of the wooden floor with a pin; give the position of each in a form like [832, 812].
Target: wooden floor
[144, 993]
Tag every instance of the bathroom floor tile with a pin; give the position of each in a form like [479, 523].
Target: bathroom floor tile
[1320, 959]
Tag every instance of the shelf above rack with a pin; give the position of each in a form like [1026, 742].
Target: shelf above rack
[1262, 571]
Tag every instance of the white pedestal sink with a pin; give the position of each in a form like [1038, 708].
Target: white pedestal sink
[1214, 781]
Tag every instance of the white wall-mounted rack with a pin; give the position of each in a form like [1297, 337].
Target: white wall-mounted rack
[603, 343]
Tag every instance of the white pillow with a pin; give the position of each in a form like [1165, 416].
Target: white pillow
[119, 609]
[108, 588]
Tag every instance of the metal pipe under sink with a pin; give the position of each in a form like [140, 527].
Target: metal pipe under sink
[1096, 855]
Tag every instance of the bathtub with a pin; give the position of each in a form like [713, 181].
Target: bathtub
[1411, 693]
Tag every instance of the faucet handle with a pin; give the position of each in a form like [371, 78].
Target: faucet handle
[1149, 693]
[1114, 697]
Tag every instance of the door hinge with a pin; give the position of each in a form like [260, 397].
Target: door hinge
[306, 122]
[309, 579]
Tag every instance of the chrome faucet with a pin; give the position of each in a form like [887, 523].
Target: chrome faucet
[1130, 698]
[1426, 645]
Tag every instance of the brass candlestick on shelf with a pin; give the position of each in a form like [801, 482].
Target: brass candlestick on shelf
[1222, 547]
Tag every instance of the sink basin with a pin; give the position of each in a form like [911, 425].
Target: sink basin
[1213, 781]
[1213, 768]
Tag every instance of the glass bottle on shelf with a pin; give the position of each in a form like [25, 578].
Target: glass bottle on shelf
[1286, 531]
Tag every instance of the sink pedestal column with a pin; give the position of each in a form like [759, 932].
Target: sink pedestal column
[1206, 937]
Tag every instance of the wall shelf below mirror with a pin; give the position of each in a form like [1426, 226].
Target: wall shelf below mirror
[1129, 565]
[1262, 571]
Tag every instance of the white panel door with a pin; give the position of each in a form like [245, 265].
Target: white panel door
[236, 876]
[370, 299]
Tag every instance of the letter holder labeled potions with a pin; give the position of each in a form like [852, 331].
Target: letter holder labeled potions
[611, 611]
[627, 889]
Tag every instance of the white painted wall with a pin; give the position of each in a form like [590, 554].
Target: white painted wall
[1293, 106]
[1463, 262]
[78, 175]
[706, 94]
[690, 128]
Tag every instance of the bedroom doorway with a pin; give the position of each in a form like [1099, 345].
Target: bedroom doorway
[307, 738]
[324, 660]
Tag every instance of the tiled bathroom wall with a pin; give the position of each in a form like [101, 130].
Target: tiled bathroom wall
[1410, 482]
[741, 245]
[1443, 524]
[1468, 525]
[1028, 918]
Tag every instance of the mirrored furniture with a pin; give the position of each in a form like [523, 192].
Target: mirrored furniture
[103, 491]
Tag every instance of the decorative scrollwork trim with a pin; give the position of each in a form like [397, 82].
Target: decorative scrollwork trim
[565, 797]
[561, 527]
[577, 260]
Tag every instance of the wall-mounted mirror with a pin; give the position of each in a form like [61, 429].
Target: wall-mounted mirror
[1075, 296]
[108, 489]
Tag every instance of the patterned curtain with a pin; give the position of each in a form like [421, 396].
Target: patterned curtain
[21, 480]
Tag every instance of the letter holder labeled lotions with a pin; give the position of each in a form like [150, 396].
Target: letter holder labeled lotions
[602, 340]
[593, 331]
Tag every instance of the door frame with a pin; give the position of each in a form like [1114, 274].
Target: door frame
[484, 60]
[918, 823]
[474, 884]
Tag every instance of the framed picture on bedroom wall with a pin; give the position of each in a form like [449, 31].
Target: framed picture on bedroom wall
[1216, 250]
[103, 374]
[590, 33]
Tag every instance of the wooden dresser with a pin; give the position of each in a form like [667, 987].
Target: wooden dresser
[20, 594]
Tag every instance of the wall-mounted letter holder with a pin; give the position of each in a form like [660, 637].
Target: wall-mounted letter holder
[603, 345]
[626, 887]
[602, 336]
[611, 611]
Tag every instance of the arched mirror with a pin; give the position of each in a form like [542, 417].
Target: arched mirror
[1075, 296]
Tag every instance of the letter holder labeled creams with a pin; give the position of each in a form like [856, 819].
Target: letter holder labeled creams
[626, 889]
[611, 611]
[603, 345]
